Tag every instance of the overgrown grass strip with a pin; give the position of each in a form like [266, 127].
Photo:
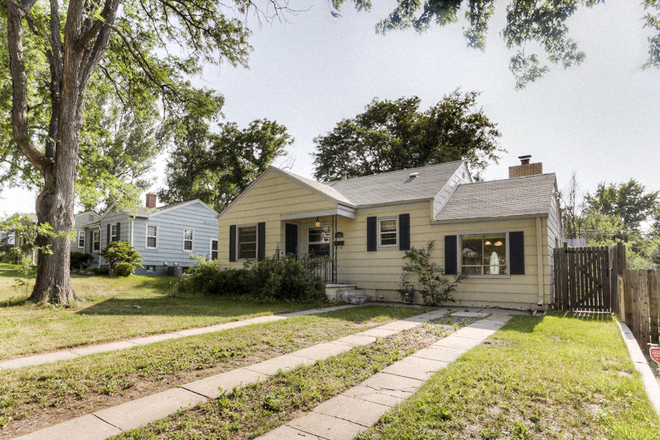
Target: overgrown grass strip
[258, 408]
[559, 377]
[57, 392]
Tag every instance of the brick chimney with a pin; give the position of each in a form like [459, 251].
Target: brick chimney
[525, 168]
[151, 200]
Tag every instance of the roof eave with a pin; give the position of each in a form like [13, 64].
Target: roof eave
[481, 219]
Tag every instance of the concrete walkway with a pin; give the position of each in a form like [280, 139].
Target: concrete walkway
[62, 355]
[345, 416]
[373, 397]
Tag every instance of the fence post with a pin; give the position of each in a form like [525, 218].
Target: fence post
[634, 283]
[628, 297]
[644, 307]
[653, 304]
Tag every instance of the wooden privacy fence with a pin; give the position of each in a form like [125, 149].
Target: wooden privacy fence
[586, 278]
[639, 304]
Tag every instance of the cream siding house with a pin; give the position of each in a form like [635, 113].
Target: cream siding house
[500, 233]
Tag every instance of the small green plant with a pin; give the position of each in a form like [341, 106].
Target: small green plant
[119, 252]
[434, 286]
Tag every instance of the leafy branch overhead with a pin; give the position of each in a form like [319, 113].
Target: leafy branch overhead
[62, 58]
[534, 23]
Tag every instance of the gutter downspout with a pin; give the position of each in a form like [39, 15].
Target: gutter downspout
[100, 241]
[539, 260]
[132, 228]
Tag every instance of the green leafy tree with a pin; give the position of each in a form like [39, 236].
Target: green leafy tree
[56, 50]
[627, 201]
[529, 24]
[216, 168]
[121, 252]
[393, 135]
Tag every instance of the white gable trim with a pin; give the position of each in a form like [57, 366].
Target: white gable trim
[329, 198]
[181, 205]
[461, 175]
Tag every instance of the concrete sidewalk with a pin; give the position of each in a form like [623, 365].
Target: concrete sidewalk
[62, 355]
[345, 416]
[133, 414]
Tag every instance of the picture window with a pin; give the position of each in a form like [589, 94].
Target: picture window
[484, 254]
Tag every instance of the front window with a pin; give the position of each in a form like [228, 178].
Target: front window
[247, 243]
[214, 249]
[113, 233]
[96, 240]
[484, 254]
[387, 233]
[152, 236]
[188, 240]
[81, 239]
[318, 241]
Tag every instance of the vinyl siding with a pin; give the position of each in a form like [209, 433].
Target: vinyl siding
[171, 224]
[379, 272]
[266, 201]
[82, 220]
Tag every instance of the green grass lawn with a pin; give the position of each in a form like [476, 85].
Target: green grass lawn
[558, 377]
[115, 308]
[40, 396]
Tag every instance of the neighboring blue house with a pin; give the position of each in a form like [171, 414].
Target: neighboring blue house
[165, 236]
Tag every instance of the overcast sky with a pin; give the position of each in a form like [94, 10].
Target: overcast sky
[599, 119]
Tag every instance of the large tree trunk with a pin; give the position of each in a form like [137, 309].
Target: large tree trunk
[72, 62]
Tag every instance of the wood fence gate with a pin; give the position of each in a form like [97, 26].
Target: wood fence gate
[586, 278]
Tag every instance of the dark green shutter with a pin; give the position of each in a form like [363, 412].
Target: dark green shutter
[107, 240]
[450, 255]
[232, 243]
[118, 231]
[372, 234]
[517, 253]
[404, 232]
[261, 240]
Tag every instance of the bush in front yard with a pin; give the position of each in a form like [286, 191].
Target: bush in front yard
[124, 269]
[80, 260]
[267, 280]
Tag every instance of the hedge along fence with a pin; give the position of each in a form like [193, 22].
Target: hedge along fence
[639, 305]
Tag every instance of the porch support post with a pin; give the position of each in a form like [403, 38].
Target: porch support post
[539, 260]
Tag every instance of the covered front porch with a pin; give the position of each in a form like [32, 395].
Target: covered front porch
[314, 236]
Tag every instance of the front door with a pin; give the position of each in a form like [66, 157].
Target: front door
[290, 239]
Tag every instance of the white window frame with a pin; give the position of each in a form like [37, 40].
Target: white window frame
[313, 225]
[81, 235]
[192, 241]
[113, 232]
[146, 234]
[460, 257]
[238, 243]
[380, 237]
[217, 248]
[150, 268]
[96, 244]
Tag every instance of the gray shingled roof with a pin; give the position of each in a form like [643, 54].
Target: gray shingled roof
[320, 187]
[530, 195]
[396, 186]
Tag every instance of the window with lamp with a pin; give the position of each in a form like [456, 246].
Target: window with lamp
[484, 254]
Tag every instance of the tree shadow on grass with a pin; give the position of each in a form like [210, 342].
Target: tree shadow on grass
[169, 306]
